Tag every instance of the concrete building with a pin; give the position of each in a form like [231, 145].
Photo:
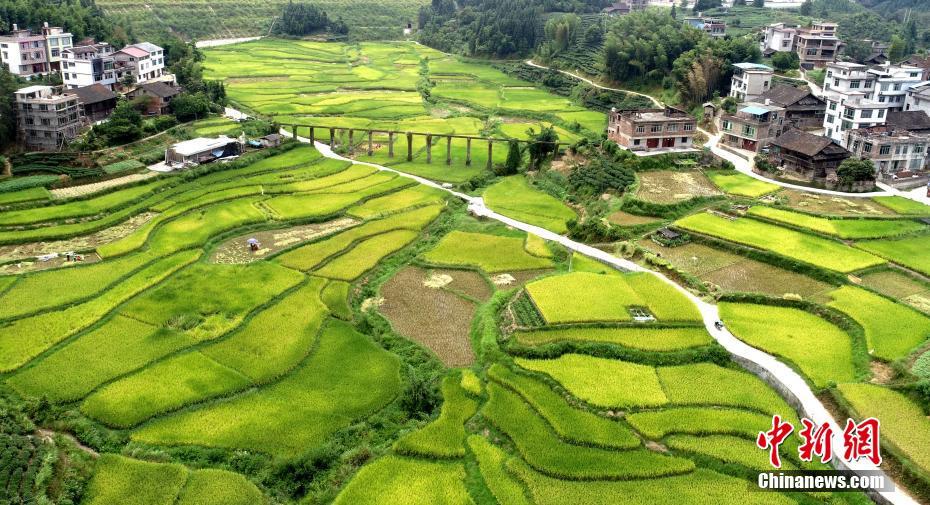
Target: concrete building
[713, 27]
[144, 62]
[750, 81]
[624, 7]
[24, 53]
[918, 97]
[87, 65]
[753, 127]
[56, 41]
[895, 152]
[816, 45]
[651, 130]
[921, 62]
[811, 157]
[859, 96]
[803, 109]
[47, 120]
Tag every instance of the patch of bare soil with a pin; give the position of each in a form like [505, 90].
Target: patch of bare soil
[237, 250]
[626, 219]
[468, 283]
[828, 204]
[82, 243]
[672, 186]
[522, 277]
[436, 318]
[882, 373]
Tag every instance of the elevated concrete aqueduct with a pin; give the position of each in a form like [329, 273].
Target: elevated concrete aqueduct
[332, 130]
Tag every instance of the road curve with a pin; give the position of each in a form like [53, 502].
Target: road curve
[788, 382]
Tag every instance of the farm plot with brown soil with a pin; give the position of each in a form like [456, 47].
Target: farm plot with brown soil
[626, 219]
[236, 250]
[665, 186]
[430, 315]
[465, 282]
[735, 273]
[900, 286]
[82, 243]
[830, 205]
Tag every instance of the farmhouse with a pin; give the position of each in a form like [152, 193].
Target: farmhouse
[46, 119]
[812, 157]
[202, 150]
[96, 101]
[753, 126]
[816, 45]
[803, 109]
[651, 129]
[159, 95]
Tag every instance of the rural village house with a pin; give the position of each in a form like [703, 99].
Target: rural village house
[803, 109]
[812, 157]
[652, 129]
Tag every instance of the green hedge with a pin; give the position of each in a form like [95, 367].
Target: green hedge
[31, 181]
[122, 166]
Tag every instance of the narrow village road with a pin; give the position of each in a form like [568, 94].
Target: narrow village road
[789, 384]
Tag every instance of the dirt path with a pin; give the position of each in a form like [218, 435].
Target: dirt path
[49, 435]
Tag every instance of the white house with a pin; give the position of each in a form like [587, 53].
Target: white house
[859, 96]
[56, 41]
[144, 61]
[750, 81]
[24, 53]
[918, 97]
[88, 65]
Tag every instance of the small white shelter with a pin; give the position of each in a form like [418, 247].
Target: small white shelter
[202, 150]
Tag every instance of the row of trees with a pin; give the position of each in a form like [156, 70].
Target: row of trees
[299, 19]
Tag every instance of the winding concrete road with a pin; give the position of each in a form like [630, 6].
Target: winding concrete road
[788, 383]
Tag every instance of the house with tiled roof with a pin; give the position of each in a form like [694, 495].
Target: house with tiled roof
[803, 109]
[810, 157]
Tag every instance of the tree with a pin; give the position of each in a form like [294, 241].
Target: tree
[807, 8]
[561, 31]
[703, 5]
[301, 19]
[124, 125]
[758, 3]
[855, 170]
[542, 145]
[8, 84]
[189, 106]
[739, 3]
[786, 60]
[514, 159]
[674, 12]
[898, 49]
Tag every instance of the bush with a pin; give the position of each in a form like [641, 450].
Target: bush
[421, 397]
[32, 181]
[785, 60]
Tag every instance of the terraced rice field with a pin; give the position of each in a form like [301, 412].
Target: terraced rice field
[374, 85]
[386, 347]
[735, 183]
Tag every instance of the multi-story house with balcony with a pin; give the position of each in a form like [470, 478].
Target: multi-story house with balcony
[46, 119]
[859, 96]
[918, 97]
[893, 151]
[753, 127]
[56, 41]
[24, 53]
[816, 45]
[651, 130]
[750, 81]
[88, 65]
[143, 61]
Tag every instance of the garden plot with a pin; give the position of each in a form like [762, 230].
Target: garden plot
[348, 377]
[434, 317]
[672, 186]
[892, 330]
[394, 479]
[118, 479]
[237, 250]
[904, 424]
[588, 297]
[514, 197]
[908, 252]
[901, 205]
[900, 286]
[793, 244]
[828, 205]
[842, 228]
[735, 183]
[643, 338]
[491, 253]
[626, 219]
[822, 351]
[735, 273]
